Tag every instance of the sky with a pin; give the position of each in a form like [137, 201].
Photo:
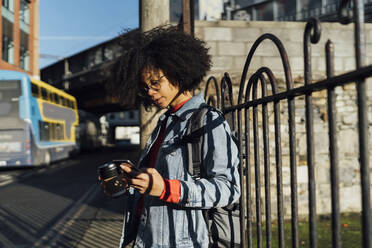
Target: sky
[70, 26]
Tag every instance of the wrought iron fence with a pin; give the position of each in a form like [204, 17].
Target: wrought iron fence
[245, 113]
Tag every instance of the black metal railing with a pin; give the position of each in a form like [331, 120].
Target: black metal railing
[246, 113]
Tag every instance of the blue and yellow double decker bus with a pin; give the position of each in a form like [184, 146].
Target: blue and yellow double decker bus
[37, 121]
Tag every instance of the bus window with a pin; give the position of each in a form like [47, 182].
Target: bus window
[34, 90]
[53, 131]
[50, 95]
[55, 98]
[44, 93]
[9, 101]
[59, 131]
[58, 99]
[64, 101]
[44, 131]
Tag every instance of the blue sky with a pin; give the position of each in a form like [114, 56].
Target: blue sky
[70, 26]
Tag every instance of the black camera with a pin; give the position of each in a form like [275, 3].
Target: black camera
[111, 176]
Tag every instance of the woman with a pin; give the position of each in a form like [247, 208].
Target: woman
[164, 207]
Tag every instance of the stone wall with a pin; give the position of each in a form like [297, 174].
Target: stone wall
[230, 42]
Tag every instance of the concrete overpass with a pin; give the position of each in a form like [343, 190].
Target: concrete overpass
[84, 74]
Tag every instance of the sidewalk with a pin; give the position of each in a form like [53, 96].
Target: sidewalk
[96, 222]
[103, 218]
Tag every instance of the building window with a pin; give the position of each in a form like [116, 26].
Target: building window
[24, 16]
[7, 47]
[24, 54]
[108, 53]
[6, 3]
[265, 12]
[9, 5]
[24, 12]
[176, 10]
[94, 57]
[24, 59]
[7, 11]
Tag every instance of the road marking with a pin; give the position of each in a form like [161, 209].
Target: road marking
[6, 179]
[6, 182]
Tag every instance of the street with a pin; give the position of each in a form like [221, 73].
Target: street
[61, 205]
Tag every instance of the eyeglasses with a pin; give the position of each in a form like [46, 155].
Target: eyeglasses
[154, 85]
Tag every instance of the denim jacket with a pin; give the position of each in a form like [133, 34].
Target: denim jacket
[163, 224]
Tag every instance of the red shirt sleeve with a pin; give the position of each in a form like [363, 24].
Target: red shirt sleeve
[172, 191]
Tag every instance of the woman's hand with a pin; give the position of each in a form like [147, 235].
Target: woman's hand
[149, 181]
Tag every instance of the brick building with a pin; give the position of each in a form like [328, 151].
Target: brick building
[19, 31]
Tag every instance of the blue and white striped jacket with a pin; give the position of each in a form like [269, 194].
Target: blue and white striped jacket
[182, 225]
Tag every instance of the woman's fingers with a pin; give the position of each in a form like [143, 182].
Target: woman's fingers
[130, 170]
[147, 182]
[157, 182]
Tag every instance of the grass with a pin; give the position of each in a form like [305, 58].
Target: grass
[351, 232]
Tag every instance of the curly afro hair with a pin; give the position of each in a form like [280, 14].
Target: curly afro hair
[182, 58]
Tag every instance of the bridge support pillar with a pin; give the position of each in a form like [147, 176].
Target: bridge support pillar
[152, 14]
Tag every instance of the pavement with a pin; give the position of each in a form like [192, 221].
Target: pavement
[95, 221]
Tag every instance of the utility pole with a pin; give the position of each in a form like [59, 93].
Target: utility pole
[188, 16]
[153, 13]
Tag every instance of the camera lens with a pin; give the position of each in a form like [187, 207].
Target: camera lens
[108, 170]
[112, 179]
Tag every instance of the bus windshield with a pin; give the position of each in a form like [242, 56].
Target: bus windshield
[10, 91]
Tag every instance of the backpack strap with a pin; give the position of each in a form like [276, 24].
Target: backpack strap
[194, 140]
